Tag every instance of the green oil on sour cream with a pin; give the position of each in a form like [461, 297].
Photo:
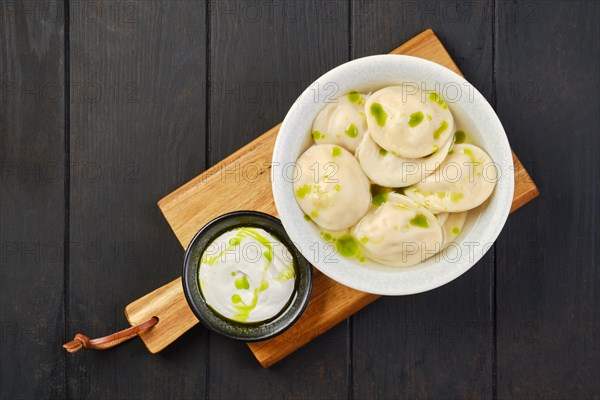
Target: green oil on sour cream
[233, 282]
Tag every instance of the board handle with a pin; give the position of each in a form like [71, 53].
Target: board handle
[81, 341]
[169, 305]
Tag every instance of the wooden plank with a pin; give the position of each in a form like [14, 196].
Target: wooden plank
[190, 207]
[247, 171]
[258, 68]
[547, 275]
[426, 45]
[32, 213]
[330, 304]
[436, 344]
[168, 303]
[137, 129]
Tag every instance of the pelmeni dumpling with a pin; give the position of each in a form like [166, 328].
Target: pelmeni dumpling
[409, 125]
[387, 169]
[400, 232]
[452, 224]
[342, 122]
[331, 188]
[442, 217]
[463, 181]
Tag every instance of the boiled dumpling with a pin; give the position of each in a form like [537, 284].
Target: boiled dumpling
[408, 125]
[442, 217]
[400, 232]
[452, 224]
[331, 188]
[463, 181]
[342, 122]
[387, 169]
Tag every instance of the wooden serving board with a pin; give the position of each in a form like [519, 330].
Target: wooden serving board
[245, 177]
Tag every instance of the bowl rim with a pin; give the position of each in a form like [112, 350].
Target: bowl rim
[250, 332]
[359, 280]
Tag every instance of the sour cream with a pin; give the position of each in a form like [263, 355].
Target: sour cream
[247, 275]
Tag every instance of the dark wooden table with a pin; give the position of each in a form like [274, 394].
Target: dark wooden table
[107, 106]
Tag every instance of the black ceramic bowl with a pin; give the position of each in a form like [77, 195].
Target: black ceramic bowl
[248, 332]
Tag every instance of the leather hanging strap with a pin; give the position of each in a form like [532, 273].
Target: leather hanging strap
[81, 341]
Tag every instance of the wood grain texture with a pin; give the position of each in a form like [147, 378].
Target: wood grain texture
[330, 304]
[192, 206]
[32, 208]
[247, 171]
[427, 45]
[437, 344]
[168, 303]
[252, 93]
[548, 290]
[543, 77]
[142, 133]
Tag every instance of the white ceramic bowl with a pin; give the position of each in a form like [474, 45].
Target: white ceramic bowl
[472, 113]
